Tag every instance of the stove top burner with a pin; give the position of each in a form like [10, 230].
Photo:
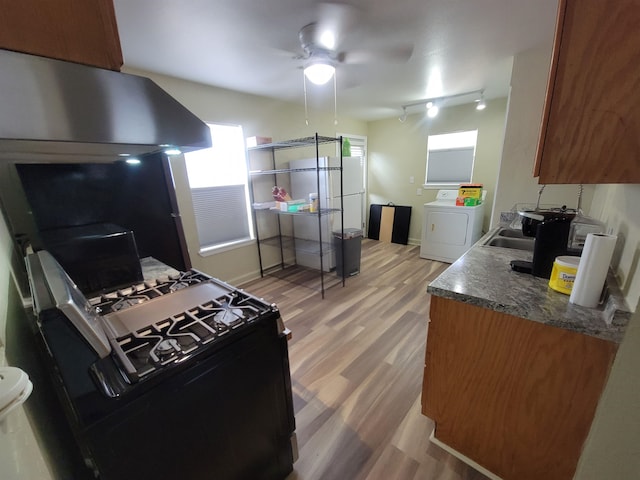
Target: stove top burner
[165, 348]
[228, 316]
[174, 287]
[128, 302]
[177, 337]
[143, 292]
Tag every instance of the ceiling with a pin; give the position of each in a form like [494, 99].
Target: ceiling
[250, 46]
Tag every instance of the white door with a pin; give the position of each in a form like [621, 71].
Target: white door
[359, 149]
[351, 176]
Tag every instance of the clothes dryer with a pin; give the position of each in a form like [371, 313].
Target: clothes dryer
[448, 231]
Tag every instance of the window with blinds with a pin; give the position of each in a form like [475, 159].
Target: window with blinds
[218, 181]
[450, 158]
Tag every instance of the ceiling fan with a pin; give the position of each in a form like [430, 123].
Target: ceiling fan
[321, 41]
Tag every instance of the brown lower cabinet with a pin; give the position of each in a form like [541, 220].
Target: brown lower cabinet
[513, 395]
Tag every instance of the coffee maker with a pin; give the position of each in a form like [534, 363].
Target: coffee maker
[550, 228]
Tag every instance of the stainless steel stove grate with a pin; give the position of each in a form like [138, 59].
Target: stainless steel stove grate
[177, 337]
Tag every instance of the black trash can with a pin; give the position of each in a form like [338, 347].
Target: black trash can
[352, 240]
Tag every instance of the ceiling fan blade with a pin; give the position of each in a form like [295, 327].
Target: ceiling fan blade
[337, 17]
[395, 54]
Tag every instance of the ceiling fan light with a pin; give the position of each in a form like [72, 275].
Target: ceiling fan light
[319, 73]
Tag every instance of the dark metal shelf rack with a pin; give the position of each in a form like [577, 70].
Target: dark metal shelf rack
[285, 242]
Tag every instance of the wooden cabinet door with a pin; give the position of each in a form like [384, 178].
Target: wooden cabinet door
[591, 122]
[80, 31]
[513, 395]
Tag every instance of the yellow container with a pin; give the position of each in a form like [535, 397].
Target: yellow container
[470, 190]
[563, 273]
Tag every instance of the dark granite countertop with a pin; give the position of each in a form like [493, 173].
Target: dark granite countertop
[483, 277]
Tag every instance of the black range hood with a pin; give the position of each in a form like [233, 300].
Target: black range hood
[57, 111]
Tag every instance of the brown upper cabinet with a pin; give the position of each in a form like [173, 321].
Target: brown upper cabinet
[80, 31]
[591, 121]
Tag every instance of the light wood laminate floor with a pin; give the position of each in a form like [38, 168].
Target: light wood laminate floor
[357, 360]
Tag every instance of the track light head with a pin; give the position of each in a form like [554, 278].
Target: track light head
[433, 104]
[403, 117]
[481, 103]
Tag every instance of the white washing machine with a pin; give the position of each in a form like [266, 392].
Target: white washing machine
[449, 231]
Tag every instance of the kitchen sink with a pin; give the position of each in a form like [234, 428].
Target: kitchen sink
[509, 238]
[517, 243]
[512, 233]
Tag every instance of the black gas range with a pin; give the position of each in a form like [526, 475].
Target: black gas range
[163, 322]
[183, 356]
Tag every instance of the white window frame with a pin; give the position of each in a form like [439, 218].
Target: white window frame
[217, 202]
[451, 144]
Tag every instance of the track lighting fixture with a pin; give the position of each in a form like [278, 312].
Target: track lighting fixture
[432, 110]
[403, 117]
[433, 104]
[481, 103]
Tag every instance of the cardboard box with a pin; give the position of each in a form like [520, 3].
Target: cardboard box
[470, 191]
[255, 141]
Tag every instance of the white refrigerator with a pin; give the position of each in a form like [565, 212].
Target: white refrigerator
[306, 231]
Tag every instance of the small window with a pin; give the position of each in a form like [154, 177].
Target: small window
[450, 158]
[218, 181]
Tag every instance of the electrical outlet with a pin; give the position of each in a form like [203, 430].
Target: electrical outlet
[418, 191]
[411, 179]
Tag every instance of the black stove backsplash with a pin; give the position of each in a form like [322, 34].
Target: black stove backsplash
[139, 198]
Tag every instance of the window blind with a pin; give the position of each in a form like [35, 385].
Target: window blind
[221, 215]
[450, 166]
[218, 181]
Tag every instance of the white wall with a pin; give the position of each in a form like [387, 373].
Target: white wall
[516, 183]
[612, 450]
[618, 207]
[398, 151]
[20, 456]
[259, 116]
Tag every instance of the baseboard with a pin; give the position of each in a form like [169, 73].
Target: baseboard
[244, 279]
[460, 456]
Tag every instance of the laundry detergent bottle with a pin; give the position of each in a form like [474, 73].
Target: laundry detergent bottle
[346, 147]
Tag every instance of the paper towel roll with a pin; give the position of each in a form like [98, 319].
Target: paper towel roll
[592, 270]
